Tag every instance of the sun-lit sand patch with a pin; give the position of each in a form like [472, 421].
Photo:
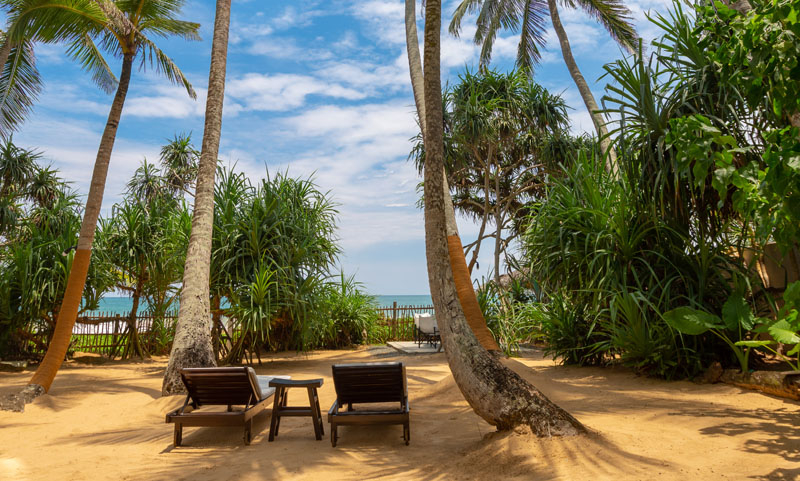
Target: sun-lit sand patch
[106, 421]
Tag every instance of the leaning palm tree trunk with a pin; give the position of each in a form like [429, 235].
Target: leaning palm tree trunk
[192, 345]
[583, 88]
[464, 279]
[495, 393]
[43, 378]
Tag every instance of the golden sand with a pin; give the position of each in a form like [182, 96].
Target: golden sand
[106, 421]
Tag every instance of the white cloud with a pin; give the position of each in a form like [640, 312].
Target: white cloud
[359, 153]
[167, 101]
[368, 76]
[287, 48]
[383, 19]
[72, 148]
[292, 17]
[263, 92]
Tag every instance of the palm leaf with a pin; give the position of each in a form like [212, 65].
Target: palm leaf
[164, 65]
[20, 85]
[54, 20]
[85, 52]
[532, 33]
[614, 16]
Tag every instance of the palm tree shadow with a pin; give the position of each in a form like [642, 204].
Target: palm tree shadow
[778, 429]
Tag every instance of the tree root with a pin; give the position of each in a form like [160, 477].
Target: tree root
[784, 384]
[17, 402]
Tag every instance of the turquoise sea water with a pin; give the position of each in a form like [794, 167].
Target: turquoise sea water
[122, 305]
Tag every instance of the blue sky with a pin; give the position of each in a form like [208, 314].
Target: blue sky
[313, 87]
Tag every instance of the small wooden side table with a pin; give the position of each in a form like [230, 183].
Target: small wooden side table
[280, 408]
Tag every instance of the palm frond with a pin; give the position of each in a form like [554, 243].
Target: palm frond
[85, 52]
[164, 65]
[20, 85]
[464, 8]
[532, 33]
[615, 17]
[165, 27]
[54, 20]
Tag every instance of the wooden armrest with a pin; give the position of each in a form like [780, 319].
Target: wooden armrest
[334, 408]
[296, 383]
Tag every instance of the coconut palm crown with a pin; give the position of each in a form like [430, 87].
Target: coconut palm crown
[88, 28]
[528, 16]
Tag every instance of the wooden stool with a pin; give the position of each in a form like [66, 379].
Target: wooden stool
[281, 409]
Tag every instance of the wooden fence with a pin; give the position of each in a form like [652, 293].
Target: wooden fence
[107, 332]
[399, 320]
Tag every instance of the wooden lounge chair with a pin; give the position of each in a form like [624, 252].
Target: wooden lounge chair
[427, 331]
[365, 383]
[222, 386]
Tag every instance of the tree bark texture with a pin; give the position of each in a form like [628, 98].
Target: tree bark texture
[463, 278]
[134, 347]
[415, 63]
[494, 392]
[80, 264]
[583, 88]
[192, 346]
[5, 51]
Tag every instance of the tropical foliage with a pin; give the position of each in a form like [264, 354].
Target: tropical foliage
[274, 254]
[651, 268]
[40, 223]
[503, 136]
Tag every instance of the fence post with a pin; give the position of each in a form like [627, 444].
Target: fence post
[394, 318]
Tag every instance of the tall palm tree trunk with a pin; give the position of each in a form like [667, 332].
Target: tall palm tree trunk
[583, 88]
[495, 393]
[43, 378]
[464, 280]
[192, 346]
[5, 51]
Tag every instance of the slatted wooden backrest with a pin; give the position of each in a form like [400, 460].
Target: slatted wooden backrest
[220, 385]
[370, 382]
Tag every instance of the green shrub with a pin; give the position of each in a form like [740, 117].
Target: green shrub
[609, 264]
[568, 331]
[350, 316]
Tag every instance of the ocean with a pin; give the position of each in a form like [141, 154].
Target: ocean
[122, 305]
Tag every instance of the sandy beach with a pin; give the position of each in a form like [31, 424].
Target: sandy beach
[106, 421]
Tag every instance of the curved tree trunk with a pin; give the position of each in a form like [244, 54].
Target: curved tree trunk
[464, 279]
[496, 393]
[583, 88]
[192, 345]
[43, 378]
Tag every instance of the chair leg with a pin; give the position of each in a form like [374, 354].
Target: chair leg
[312, 406]
[276, 414]
[319, 413]
[177, 436]
[407, 433]
[334, 434]
[248, 432]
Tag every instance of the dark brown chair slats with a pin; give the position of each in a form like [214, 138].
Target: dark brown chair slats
[219, 386]
[366, 383]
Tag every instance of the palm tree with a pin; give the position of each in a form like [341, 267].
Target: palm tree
[179, 162]
[192, 345]
[528, 17]
[497, 129]
[497, 394]
[49, 21]
[123, 34]
[463, 283]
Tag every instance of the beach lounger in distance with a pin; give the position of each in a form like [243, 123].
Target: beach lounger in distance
[368, 383]
[222, 386]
